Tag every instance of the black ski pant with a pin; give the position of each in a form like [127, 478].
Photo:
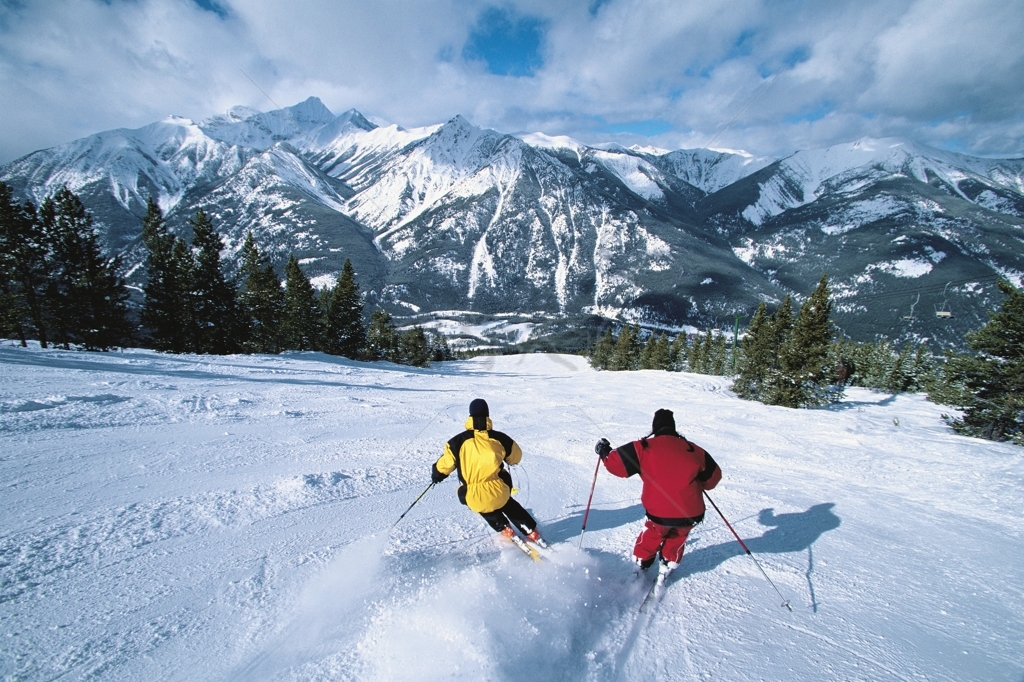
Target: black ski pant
[514, 512]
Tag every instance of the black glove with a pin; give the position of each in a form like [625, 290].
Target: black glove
[602, 448]
[436, 476]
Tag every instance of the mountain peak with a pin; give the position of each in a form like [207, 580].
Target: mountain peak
[355, 118]
[312, 110]
[458, 122]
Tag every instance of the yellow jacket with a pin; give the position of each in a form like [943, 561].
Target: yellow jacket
[479, 457]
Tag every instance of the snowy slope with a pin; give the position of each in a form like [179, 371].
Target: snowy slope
[185, 517]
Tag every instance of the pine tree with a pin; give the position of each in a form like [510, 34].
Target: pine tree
[679, 352]
[413, 347]
[85, 296]
[647, 351]
[167, 308]
[626, 355]
[601, 354]
[806, 378]
[300, 326]
[381, 337]
[989, 385]
[261, 300]
[758, 356]
[440, 351]
[775, 389]
[719, 355]
[700, 356]
[214, 310]
[343, 328]
[655, 353]
[23, 270]
[807, 356]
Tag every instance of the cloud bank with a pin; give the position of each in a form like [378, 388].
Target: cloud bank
[794, 74]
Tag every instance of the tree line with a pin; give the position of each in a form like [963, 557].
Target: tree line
[57, 287]
[709, 353]
[794, 359]
[55, 283]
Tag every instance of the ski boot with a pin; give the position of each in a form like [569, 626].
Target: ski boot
[534, 537]
[665, 569]
[511, 536]
[640, 569]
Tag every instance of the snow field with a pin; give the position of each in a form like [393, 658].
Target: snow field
[189, 517]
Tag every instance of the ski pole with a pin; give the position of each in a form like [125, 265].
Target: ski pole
[589, 500]
[413, 504]
[785, 602]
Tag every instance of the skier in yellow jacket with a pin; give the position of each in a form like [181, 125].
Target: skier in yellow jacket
[478, 455]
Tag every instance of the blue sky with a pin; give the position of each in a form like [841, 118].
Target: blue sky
[507, 43]
[668, 73]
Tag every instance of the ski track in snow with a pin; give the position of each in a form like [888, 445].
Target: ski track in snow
[192, 517]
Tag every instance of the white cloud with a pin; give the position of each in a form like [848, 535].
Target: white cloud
[942, 72]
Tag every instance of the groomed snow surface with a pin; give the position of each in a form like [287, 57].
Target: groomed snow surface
[200, 518]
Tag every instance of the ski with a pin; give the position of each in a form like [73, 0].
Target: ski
[521, 544]
[656, 588]
[656, 591]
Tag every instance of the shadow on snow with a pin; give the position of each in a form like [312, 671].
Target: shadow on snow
[792, 532]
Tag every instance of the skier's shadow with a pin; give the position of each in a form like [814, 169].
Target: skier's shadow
[794, 532]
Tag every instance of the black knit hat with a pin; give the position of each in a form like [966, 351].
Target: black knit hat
[478, 408]
[664, 421]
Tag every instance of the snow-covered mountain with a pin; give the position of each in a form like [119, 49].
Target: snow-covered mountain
[896, 225]
[844, 169]
[455, 217]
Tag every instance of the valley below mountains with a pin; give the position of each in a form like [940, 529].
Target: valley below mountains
[523, 235]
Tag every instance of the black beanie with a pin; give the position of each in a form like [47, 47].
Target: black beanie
[664, 421]
[478, 408]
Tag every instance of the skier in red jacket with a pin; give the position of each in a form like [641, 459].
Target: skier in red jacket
[675, 473]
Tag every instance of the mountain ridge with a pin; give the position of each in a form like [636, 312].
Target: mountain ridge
[457, 217]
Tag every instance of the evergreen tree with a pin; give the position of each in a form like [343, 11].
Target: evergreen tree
[85, 296]
[647, 351]
[719, 359]
[343, 330]
[413, 347]
[988, 386]
[922, 372]
[656, 353]
[878, 365]
[626, 355]
[679, 352]
[23, 270]
[774, 389]
[806, 377]
[381, 338]
[440, 351]
[601, 354]
[167, 308]
[700, 354]
[758, 355]
[261, 300]
[214, 310]
[790, 362]
[301, 320]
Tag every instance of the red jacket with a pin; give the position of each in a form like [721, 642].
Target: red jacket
[675, 473]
